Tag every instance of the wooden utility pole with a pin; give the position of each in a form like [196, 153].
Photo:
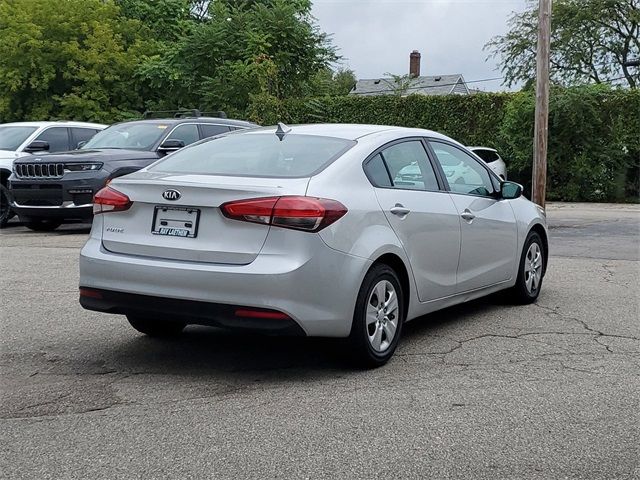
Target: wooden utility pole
[541, 134]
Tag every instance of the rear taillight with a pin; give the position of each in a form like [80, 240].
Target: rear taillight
[300, 213]
[110, 200]
[261, 313]
[88, 292]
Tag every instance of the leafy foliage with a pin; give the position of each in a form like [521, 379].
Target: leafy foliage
[590, 42]
[268, 47]
[329, 82]
[594, 131]
[69, 59]
[112, 59]
[167, 20]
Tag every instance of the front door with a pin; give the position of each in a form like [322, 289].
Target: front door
[487, 223]
[423, 216]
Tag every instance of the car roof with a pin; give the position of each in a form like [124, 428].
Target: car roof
[178, 121]
[483, 148]
[349, 131]
[65, 123]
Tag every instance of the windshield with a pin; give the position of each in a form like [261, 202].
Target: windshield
[256, 155]
[11, 137]
[135, 136]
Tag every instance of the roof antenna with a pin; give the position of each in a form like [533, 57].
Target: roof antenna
[282, 130]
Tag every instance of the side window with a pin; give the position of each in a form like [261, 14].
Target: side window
[464, 173]
[409, 166]
[188, 133]
[209, 130]
[57, 138]
[486, 155]
[81, 135]
[377, 172]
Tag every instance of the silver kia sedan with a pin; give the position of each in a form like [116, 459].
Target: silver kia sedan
[316, 230]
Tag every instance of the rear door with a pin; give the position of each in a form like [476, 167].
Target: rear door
[422, 215]
[211, 236]
[81, 134]
[186, 132]
[488, 225]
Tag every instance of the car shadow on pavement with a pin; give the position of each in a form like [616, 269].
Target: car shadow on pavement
[434, 322]
[204, 351]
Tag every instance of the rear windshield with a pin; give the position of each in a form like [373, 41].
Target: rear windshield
[256, 155]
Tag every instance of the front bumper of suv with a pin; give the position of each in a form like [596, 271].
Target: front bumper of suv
[67, 198]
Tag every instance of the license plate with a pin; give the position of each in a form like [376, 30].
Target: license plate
[175, 221]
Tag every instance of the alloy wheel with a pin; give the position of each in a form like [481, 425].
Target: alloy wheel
[533, 268]
[382, 316]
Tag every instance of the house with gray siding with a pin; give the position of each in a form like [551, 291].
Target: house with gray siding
[414, 83]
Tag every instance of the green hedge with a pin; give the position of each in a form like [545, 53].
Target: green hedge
[594, 131]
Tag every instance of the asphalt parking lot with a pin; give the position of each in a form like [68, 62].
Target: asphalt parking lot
[484, 390]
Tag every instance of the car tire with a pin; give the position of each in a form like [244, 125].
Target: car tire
[154, 327]
[5, 210]
[377, 326]
[531, 271]
[42, 224]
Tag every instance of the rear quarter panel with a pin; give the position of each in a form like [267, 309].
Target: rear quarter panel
[364, 231]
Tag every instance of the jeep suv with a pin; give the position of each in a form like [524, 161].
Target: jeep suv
[22, 138]
[47, 190]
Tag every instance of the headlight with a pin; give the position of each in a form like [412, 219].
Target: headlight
[82, 167]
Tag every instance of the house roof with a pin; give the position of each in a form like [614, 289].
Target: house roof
[424, 85]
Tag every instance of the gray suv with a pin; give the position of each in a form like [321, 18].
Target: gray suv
[49, 189]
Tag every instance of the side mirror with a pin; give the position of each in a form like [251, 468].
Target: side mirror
[81, 144]
[37, 146]
[170, 145]
[510, 190]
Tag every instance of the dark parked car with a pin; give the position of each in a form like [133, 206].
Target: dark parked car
[48, 189]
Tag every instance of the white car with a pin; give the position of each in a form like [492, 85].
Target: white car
[491, 157]
[23, 138]
[311, 230]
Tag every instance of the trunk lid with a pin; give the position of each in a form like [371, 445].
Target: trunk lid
[216, 239]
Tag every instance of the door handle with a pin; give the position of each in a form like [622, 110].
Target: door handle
[400, 210]
[467, 215]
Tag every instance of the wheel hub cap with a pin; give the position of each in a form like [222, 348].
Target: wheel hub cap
[382, 316]
[533, 268]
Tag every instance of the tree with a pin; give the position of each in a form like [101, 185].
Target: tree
[167, 20]
[590, 42]
[400, 84]
[330, 82]
[245, 48]
[71, 59]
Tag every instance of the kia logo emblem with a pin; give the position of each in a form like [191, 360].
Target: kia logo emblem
[171, 194]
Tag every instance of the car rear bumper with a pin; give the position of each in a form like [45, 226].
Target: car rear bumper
[193, 312]
[314, 286]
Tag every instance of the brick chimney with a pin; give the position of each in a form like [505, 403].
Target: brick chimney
[414, 64]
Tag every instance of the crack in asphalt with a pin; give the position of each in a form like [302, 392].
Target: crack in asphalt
[595, 334]
[598, 333]
[227, 391]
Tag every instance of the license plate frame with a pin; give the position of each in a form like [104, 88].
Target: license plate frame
[170, 227]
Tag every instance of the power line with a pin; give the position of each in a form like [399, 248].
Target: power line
[609, 80]
[426, 86]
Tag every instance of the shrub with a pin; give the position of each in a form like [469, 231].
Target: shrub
[594, 131]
